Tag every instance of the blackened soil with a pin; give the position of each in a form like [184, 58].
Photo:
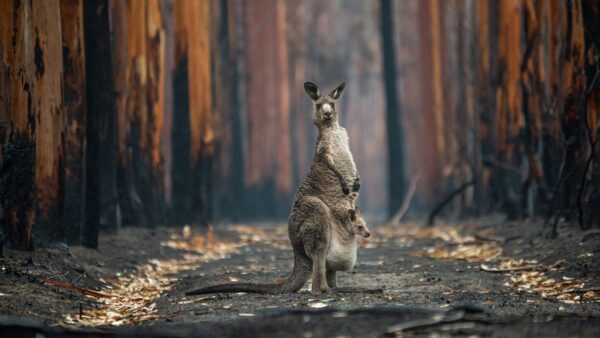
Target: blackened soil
[419, 291]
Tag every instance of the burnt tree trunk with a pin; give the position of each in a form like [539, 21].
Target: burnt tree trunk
[396, 184]
[101, 194]
[18, 118]
[47, 100]
[74, 97]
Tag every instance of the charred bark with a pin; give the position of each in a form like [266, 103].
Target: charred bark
[396, 176]
[101, 194]
[74, 97]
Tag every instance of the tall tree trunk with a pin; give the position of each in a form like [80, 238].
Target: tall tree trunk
[396, 184]
[193, 147]
[156, 57]
[101, 195]
[573, 116]
[589, 197]
[48, 133]
[18, 112]
[74, 97]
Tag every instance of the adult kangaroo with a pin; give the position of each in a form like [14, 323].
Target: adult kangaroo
[321, 225]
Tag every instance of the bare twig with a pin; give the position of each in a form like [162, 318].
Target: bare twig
[350, 289]
[584, 290]
[83, 291]
[447, 200]
[490, 239]
[406, 202]
[93, 267]
[433, 320]
[486, 268]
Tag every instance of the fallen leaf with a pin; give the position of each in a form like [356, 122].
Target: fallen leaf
[318, 305]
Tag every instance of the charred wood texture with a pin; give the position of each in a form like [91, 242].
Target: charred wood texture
[74, 98]
[101, 185]
[396, 179]
[18, 115]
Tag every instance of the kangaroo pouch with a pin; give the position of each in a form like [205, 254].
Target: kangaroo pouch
[341, 255]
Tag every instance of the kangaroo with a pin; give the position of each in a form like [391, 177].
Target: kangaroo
[332, 141]
[321, 228]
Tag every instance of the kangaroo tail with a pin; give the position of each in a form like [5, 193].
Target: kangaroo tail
[300, 274]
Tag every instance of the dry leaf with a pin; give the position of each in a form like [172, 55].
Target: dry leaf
[469, 252]
[318, 305]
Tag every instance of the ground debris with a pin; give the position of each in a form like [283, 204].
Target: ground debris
[133, 297]
[469, 252]
[567, 289]
[83, 291]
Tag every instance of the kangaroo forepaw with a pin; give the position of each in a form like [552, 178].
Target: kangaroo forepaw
[356, 184]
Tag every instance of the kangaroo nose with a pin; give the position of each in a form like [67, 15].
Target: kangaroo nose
[367, 234]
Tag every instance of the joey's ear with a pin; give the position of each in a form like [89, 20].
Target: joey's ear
[312, 90]
[352, 215]
[337, 92]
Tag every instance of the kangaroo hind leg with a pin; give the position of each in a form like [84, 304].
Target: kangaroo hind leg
[319, 279]
[332, 278]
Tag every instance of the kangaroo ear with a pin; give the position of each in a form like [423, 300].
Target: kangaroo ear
[352, 215]
[312, 90]
[337, 92]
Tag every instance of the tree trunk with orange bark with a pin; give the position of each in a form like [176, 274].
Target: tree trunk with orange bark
[18, 109]
[74, 98]
[193, 140]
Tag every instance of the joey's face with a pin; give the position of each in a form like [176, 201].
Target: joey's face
[359, 225]
[324, 112]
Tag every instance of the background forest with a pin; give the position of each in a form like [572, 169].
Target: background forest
[172, 112]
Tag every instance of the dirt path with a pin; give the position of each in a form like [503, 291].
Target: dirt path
[433, 280]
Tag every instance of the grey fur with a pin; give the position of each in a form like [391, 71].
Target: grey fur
[320, 227]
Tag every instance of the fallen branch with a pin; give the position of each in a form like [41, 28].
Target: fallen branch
[90, 269]
[490, 239]
[418, 323]
[84, 291]
[350, 289]
[406, 202]
[447, 200]
[486, 268]
[584, 290]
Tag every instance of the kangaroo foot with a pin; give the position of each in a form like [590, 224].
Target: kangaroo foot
[321, 289]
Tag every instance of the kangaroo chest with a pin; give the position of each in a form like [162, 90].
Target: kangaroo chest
[340, 150]
[341, 255]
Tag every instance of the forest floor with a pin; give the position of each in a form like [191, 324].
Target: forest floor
[439, 281]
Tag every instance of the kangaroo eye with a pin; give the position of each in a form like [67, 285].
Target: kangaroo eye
[319, 106]
[333, 106]
[360, 227]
